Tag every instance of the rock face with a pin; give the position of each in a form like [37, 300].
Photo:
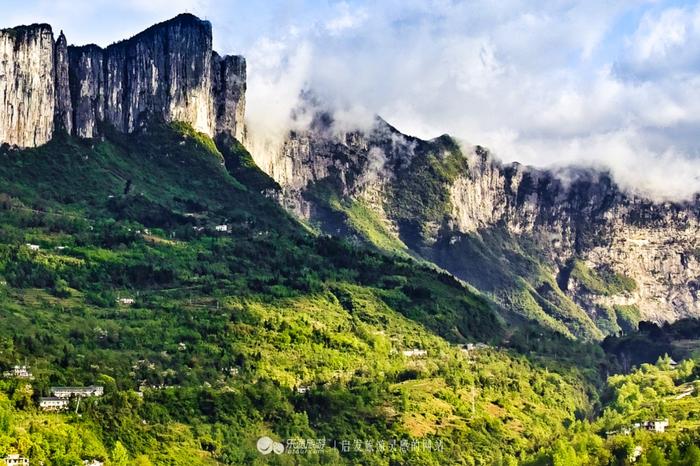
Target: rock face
[569, 249]
[167, 72]
[86, 89]
[656, 245]
[228, 93]
[63, 120]
[27, 85]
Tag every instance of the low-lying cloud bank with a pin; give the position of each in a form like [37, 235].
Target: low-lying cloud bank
[613, 85]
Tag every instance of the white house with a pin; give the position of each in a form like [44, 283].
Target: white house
[223, 228]
[93, 463]
[653, 426]
[12, 460]
[303, 389]
[51, 403]
[81, 392]
[415, 353]
[33, 247]
[473, 347]
[126, 301]
[660, 426]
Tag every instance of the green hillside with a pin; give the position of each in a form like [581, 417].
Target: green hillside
[510, 269]
[265, 329]
[113, 272]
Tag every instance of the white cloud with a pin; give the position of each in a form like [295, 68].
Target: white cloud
[347, 18]
[659, 35]
[534, 81]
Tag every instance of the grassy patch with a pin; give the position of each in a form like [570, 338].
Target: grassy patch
[628, 317]
[602, 282]
[420, 195]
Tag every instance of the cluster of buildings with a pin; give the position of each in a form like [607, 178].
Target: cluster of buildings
[18, 372]
[17, 460]
[469, 347]
[421, 353]
[415, 353]
[658, 426]
[223, 228]
[62, 396]
[653, 426]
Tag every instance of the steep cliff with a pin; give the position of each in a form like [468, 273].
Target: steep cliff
[168, 72]
[86, 89]
[26, 85]
[164, 72]
[228, 95]
[569, 249]
[63, 120]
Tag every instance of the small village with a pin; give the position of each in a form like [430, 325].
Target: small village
[61, 400]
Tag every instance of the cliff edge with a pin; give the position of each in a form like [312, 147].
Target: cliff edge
[168, 72]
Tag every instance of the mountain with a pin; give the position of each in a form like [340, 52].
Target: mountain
[143, 250]
[567, 248]
[138, 253]
[168, 71]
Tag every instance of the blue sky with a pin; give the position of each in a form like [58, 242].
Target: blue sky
[614, 83]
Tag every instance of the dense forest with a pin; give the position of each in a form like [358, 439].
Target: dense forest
[156, 266]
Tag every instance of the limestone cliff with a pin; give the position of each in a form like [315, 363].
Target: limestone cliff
[228, 95]
[27, 85]
[168, 72]
[582, 214]
[569, 249]
[63, 120]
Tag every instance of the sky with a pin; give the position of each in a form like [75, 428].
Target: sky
[607, 83]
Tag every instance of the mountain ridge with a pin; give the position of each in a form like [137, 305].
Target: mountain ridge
[579, 254]
[548, 223]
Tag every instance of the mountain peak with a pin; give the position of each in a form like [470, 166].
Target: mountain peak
[168, 72]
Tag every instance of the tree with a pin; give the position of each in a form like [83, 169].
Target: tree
[564, 455]
[142, 460]
[23, 396]
[120, 456]
[656, 457]
[692, 456]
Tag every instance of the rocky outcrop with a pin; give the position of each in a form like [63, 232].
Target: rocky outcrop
[168, 72]
[27, 85]
[582, 214]
[86, 89]
[63, 120]
[228, 95]
[507, 228]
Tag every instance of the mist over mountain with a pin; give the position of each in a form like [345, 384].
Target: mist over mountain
[433, 67]
[609, 85]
